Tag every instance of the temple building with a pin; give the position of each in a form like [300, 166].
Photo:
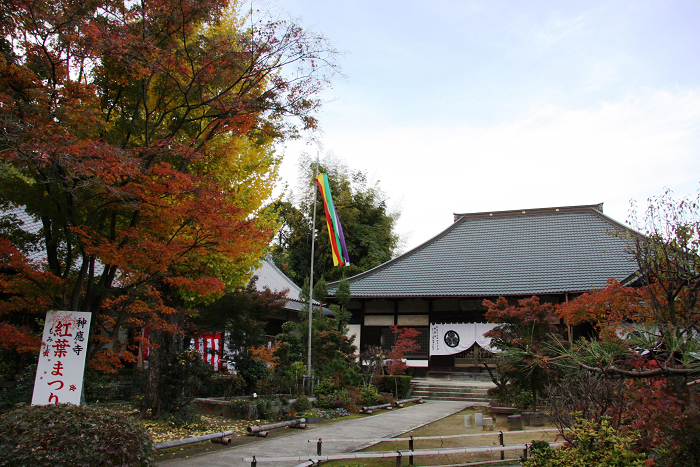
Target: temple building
[438, 287]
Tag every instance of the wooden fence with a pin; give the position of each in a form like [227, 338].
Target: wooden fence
[407, 453]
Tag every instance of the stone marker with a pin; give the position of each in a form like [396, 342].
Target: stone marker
[515, 423]
[478, 419]
[537, 419]
[488, 424]
[468, 420]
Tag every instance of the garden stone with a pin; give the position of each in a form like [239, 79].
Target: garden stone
[515, 423]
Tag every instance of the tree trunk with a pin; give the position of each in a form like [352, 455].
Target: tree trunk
[163, 348]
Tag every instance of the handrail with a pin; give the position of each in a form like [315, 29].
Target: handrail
[416, 438]
[389, 454]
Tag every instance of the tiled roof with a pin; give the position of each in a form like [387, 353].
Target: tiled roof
[17, 219]
[524, 252]
[273, 278]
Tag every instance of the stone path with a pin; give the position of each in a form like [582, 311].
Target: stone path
[386, 425]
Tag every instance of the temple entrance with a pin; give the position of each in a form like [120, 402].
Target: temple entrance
[475, 356]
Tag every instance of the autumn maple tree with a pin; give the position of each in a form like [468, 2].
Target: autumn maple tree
[523, 333]
[136, 143]
[650, 329]
[404, 343]
[647, 347]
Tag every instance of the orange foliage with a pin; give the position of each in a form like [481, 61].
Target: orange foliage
[266, 354]
[18, 339]
[605, 308]
[120, 122]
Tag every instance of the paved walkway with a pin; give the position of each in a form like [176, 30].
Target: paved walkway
[386, 425]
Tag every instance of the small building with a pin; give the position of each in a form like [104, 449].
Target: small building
[438, 287]
[271, 277]
[267, 276]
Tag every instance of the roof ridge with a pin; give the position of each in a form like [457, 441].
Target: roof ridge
[511, 212]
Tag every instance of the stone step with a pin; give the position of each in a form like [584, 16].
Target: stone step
[421, 392]
[455, 397]
[459, 376]
[461, 399]
[478, 391]
[463, 390]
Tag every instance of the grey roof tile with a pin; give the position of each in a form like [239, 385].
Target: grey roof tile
[271, 277]
[551, 250]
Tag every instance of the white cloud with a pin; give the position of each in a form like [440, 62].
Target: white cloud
[550, 155]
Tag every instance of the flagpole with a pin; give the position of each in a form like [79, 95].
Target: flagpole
[311, 281]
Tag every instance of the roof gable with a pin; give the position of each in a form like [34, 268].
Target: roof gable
[524, 252]
[271, 277]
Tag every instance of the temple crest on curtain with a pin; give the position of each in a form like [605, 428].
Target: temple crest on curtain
[453, 338]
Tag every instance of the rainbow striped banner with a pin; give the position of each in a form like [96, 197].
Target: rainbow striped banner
[335, 230]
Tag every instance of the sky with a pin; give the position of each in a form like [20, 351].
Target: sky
[457, 106]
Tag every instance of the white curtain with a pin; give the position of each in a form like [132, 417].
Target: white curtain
[453, 338]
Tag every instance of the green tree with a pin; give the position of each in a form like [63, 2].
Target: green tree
[328, 339]
[367, 222]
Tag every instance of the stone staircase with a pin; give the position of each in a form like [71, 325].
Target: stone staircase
[452, 389]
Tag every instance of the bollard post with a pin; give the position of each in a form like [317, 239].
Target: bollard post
[254, 463]
[318, 447]
[410, 446]
[398, 459]
[500, 440]
[524, 454]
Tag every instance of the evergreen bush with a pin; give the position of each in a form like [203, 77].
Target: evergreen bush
[368, 395]
[99, 387]
[185, 379]
[302, 404]
[592, 445]
[390, 383]
[70, 435]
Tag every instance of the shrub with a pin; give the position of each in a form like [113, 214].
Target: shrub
[70, 435]
[265, 410]
[681, 446]
[98, 386]
[398, 385]
[253, 371]
[368, 395]
[241, 408]
[232, 385]
[592, 445]
[337, 399]
[385, 398]
[302, 404]
[325, 388]
[23, 389]
[184, 380]
[512, 395]
[331, 395]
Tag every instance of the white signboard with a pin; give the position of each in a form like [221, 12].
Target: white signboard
[453, 338]
[59, 374]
